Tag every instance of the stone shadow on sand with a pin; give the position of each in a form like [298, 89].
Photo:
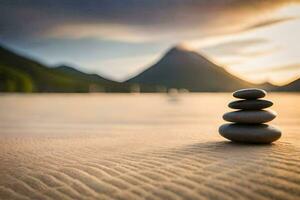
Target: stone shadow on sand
[232, 147]
[226, 151]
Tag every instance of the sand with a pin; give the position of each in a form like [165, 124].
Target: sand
[131, 146]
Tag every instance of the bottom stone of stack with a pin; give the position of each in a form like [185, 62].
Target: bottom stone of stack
[250, 133]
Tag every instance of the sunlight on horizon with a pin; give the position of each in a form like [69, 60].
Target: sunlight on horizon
[277, 47]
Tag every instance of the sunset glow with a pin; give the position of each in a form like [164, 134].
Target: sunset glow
[106, 39]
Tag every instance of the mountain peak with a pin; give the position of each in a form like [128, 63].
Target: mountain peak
[181, 48]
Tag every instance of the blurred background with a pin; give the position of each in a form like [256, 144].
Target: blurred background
[149, 46]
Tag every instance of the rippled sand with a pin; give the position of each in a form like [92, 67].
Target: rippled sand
[91, 146]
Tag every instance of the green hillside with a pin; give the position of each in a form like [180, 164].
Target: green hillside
[20, 74]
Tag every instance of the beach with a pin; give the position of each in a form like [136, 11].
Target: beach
[141, 146]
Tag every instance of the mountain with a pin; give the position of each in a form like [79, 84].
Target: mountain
[180, 68]
[21, 74]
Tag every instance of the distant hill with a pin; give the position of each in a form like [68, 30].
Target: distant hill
[291, 87]
[268, 86]
[21, 74]
[180, 68]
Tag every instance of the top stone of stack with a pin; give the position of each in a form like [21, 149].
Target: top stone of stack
[251, 93]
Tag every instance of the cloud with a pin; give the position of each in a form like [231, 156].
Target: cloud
[268, 23]
[104, 31]
[128, 20]
[278, 69]
[235, 47]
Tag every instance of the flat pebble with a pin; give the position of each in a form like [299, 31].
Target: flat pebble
[259, 133]
[255, 104]
[250, 93]
[250, 116]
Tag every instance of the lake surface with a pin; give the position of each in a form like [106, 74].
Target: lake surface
[141, 146]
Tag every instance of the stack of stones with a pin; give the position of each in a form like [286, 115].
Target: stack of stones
[248, 122]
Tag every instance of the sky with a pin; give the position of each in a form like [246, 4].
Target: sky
[257, 40]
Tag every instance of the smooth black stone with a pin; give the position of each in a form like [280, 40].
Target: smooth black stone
[250, 116]
[259, 133]
[250, 93]
[255, 104]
